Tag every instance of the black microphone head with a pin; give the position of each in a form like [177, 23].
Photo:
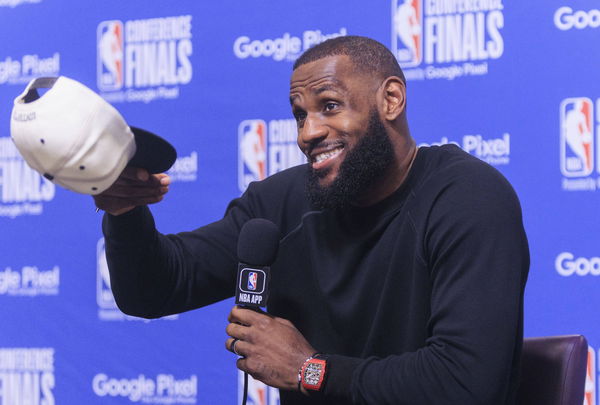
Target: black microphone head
[258, 242]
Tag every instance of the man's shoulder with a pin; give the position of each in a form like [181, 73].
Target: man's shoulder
[281, 194]
[447, 174]
[451, 163]
[452, 156]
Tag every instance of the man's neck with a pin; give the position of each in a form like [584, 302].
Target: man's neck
[394, 176]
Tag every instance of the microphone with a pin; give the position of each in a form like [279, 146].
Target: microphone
[258, 243]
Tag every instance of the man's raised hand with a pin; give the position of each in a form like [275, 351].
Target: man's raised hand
[135, 186]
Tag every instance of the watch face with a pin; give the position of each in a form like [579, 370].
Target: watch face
[312, 374]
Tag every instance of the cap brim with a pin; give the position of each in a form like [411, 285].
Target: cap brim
[152, 152]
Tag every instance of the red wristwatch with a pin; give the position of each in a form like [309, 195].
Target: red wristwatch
[313, 373]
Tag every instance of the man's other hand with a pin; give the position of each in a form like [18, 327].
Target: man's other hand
[134, 187]
[272, 349]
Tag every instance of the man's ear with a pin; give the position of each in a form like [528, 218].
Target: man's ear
[393, 98]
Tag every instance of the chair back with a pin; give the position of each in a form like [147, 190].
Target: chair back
[553, 370]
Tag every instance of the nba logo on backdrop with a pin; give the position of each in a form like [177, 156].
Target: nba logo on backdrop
[110, 55]
[265, 149]
[440, 39]
[576, 137]
[579, 148]
[144, 60]
[104, 295]
[407, 38]
[252, 152]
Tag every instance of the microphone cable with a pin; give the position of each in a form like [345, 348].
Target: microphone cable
[245, 397]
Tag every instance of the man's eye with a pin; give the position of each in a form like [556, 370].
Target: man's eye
[330, 106]
[300, 116]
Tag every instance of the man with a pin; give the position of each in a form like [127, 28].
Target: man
[404, 269]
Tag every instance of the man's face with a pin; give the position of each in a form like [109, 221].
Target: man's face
[339, 130]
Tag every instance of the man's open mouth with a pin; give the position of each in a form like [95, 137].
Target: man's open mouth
[321, 157]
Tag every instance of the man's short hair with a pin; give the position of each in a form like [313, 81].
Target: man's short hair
[367, 55]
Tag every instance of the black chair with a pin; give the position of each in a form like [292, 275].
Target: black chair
[553, 370]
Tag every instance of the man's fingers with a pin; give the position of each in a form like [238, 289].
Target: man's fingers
[272, 348]
[134, 187]
[246, 316]
[134, 173]
[142, 174]
[236, 346]
[138, 176]
[153, 181]
[238, 331]
[242, 364]
[134, 191]
[164, 179]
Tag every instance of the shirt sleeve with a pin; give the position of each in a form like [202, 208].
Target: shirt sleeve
[154, 275]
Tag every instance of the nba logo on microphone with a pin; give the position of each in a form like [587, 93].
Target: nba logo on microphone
[110, 55]
[407, 31]
[252, 280]
[252, 165]
[576, 137]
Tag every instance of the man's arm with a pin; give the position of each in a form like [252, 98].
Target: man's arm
[152, 274]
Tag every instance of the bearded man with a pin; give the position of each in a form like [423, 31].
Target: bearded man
[402, 267]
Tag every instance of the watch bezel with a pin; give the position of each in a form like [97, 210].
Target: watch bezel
[317, 369]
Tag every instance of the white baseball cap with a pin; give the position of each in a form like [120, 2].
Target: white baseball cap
[76, 139]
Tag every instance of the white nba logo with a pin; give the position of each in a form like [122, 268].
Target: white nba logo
[252, 144]
[407, 31]
[110, 55]
[576, 137]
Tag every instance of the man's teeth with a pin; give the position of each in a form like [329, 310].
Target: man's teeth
[326, 155]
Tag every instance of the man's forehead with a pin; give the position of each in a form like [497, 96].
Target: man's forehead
[331, 71]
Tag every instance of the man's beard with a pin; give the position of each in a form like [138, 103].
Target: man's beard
[363, 166]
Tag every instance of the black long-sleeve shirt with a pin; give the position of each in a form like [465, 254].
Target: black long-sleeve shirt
[417, 299]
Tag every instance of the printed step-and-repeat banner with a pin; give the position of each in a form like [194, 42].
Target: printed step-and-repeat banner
[515, 83]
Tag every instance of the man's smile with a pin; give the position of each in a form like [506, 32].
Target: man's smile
[322, 156]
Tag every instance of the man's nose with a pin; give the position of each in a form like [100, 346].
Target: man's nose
[313, 130]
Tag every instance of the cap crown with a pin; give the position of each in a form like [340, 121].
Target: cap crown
[71, 135]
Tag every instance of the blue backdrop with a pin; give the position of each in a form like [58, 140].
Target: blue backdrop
[513, 83]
